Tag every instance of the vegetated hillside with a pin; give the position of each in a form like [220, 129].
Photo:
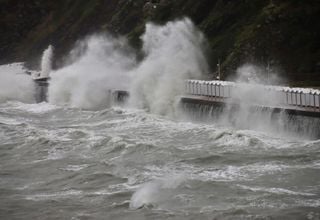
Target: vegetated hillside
[282, 33]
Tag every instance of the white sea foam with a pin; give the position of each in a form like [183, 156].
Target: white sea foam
[57, 195]
[234, 173]
[279, 191]
[39, 108]
[75, 168]
[9, 121]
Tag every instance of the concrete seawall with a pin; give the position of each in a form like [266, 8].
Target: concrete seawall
[221, 102]
[276, 120]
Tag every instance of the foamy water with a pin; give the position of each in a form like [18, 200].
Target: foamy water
[128, 164]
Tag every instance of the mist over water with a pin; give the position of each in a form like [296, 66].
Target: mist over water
[15, 85]
[251, 93]
[256, 94]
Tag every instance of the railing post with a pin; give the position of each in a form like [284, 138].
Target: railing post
[318, 101]
[300, 94]
[194, 87]
[197, 88]
[314, 100]
[222, 95]
[207, 88]
[186, 87]
[282, 95]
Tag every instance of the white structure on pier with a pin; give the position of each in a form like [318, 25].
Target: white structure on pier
[270, 96]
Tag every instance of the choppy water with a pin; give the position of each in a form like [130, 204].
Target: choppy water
[64, 163]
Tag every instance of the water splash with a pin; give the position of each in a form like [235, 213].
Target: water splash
[46, 62]
[255, 107]
[103, 64]
[156, 192]
[173, 53]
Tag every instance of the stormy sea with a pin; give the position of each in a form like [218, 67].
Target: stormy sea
[81, 156]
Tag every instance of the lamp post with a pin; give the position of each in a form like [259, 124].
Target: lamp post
[219, 70]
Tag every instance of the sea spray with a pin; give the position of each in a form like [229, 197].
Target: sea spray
[46, 62]
[255, 106]
[173, 53]
[156, 192]
[87, 82]
[249, 92]
[258, 74]
[15, 85]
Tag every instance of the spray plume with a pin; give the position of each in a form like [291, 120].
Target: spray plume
[46, 62]
[251, 92]
[172, 54]
[103, 65]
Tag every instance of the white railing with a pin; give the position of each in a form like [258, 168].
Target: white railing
[299, 97]
[218, 89]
